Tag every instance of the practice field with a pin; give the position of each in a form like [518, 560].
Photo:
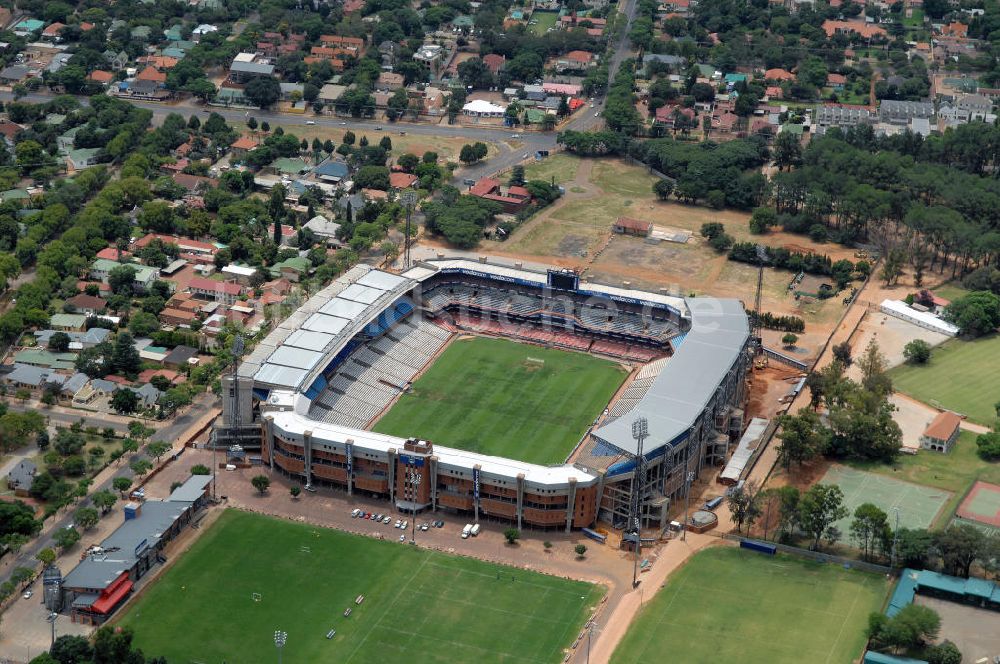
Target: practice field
[419, 606]
[504, 398]
[918, 505]
[960, 376]
[732, 605]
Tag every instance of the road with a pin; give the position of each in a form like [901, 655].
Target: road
[170, 433]
[63, 416]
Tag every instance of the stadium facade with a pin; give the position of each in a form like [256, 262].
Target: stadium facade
[310, 390]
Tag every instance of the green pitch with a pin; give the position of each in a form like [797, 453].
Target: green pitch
[506, 399]
[733, 605]
[961, 376]
[420, 606]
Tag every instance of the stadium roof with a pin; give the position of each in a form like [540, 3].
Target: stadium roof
[679, 395]
[294, 425]
[299, 348]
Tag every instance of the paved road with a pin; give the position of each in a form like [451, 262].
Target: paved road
[169, 433]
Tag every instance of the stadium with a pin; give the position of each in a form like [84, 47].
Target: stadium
[310, 395]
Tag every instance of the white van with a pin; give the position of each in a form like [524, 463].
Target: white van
[466, 531]
[230, 467]
[475, 530]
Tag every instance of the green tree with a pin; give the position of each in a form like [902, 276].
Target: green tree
[66, 538]
[295, 490]
[819, 508]
[917, 351]
[580, 550]
[46, 556]
[743, 504]
[663, 188]
[201, 469]
[959, 547]
[124, 401]
[788, 340]
[261, 483]
[943, 653]
[976, 314]
[158, 449]
[104, 500]
[121, 484]
[122, 279]
[803, 438]
[140, 467]
[263, 91]
[512, 535]
[870, 529]
[72, 650]
[86, 517]
[59, 342]
[913, 627]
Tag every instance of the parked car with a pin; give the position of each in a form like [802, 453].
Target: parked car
[310, 122]
[405, 522]
[28, 594]
[402, 538]
[387, 519]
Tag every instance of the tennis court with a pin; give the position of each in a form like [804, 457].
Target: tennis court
[918, 505]
[982, 504]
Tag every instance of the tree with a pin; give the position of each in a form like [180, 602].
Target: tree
[803, 438]
[121, 279]
[580, 549]
[943, 653]
[870, 528]
[66, 537]
[467, 155]
[17, 518]
[872, 364]
[46, 556]
[86, 517]
[787, 150]
[819, 508]
[842, 353]
[59, 342]
[517, 176]
[124, 401]
[121, 484]
[104, 500]
[788, 340]
[959, 546]
[988, 446]
[917, 351]
[742, 503]
[124, 357]
[140, 467]
[261, 482]
[263, 91]
[976, 314]
[762, 219]
[512, 535]
[295, 490]
[158, 449]
[663, 188]
[71, 650]
[200, 469]
[913, 627]
[139, 431]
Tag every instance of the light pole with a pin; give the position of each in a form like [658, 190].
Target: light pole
[409, 199]
[590, 636]
[51, 618]
[687, 501]
[640, 430]
[279, 641]
[414, 483]
[895, 539]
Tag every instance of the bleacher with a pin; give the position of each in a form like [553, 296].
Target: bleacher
[367, 381]
[554, 320]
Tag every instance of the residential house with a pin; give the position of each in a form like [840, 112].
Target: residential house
[575, 60]
[143, 279]
[325, 229]
[778, 75]
[83, 158]
[836, 82]
[21, 476]
[181, 356]
[87, 304]
[52, 32]
[77, 340]
[13, 74]
[429, 54]
[941, 433]
[194, 183]
[843, 115]
[68, 322]
[494, 62]
[46, 359]
[389, 82]
[480, 108]
[101, 77]
[567, 89]
[859, 28]
[331, 171]
[399, 180]
[241, 71]
[672, 62]
[9, 131]
[331, 92]
[512, 199]
[28, 26]
[242, 145]
[901, 112]
[221, 291]
[631, 226]
[292, 269]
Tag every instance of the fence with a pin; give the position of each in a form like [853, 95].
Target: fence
[785, 359]
[818, 556]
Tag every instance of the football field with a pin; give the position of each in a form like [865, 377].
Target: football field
[250, 575]
[507, 399]
[733, 605]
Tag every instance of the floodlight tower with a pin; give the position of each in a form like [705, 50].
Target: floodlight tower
[409, 199]
[280, 637]
[755, 319]
[640, 431]
[237, 348]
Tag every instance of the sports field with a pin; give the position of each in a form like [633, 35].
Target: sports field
[732, 605]
[506, 399]
[982, 504]
[918, 505]
[960, 376]
[419, 605]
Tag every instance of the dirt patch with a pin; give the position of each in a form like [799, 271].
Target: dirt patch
[572, 245]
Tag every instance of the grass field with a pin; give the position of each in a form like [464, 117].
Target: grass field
[543, 21]
[561, 166]
[732, 605]
[961, 376]
[420, 606]
[955, 471]
[493, 396]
